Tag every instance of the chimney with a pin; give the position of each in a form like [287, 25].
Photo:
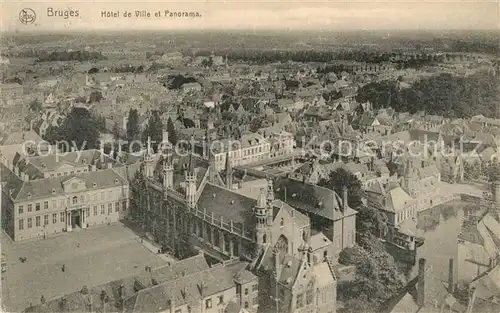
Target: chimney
[94, 168]
[25, 177]
[451, 276]
[421, 283]
[110, 165]
[344, 199]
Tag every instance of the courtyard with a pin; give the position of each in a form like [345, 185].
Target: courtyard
[91, 257]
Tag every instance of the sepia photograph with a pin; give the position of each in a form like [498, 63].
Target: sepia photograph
[262, 156]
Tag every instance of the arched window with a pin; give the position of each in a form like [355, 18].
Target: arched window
[282, 222]
[282, 245]
[75, 200]
[325, 254]
[264, 238]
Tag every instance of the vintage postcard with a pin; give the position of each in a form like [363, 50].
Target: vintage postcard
[212, 156]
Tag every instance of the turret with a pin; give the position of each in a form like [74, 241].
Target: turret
[148, 161]
[190, 177]
[229, 172]
[262, 214]
[168, 174]
[207, 151]
[270, 190]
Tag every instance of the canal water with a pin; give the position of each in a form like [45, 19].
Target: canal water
[440, 226]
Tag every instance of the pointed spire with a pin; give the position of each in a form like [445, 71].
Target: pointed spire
[228, 163]
[270, 189]
[191, 164]
[261, 201]
[148, 148]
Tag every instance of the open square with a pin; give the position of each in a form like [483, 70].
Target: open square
[91, 257]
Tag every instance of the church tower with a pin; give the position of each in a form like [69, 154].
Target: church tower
[149, 161]
[264, 220]
[229, 172]
[168, 175]
[190, 177]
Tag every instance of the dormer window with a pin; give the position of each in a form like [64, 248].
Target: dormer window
[94, 185]
[53, 191]
[29, 195]
[116, 181]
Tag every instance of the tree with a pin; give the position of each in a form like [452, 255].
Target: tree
[154, 129]
[255, 124]
[370, 221]
[471, 170]
[53, 134]
[116, 131]
[95, 96]
[172, 134]
[377, 276]
[35, 105]
[341, 178]
[132, 125]
[80, 128]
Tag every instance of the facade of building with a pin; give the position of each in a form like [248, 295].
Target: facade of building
[41, 197]
[192, 209]
[250, 148]
[329, 213]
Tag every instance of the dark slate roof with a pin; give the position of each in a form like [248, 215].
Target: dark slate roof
[80, 302]
[53, 162]
[174, 271]
[43, 188]
[469, 231]
[229, 205]
[311, 198]
[185, 290]
[11, 184]
[289, 266]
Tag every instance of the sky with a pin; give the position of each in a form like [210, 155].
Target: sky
[257, 14]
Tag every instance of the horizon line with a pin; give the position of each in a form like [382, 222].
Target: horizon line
[198, 30]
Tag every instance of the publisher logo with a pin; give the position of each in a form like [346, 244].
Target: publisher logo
[27, 16]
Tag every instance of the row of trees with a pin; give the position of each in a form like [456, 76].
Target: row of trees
[153, 129]
[70, 56]
[444, 94]
[82, 130]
